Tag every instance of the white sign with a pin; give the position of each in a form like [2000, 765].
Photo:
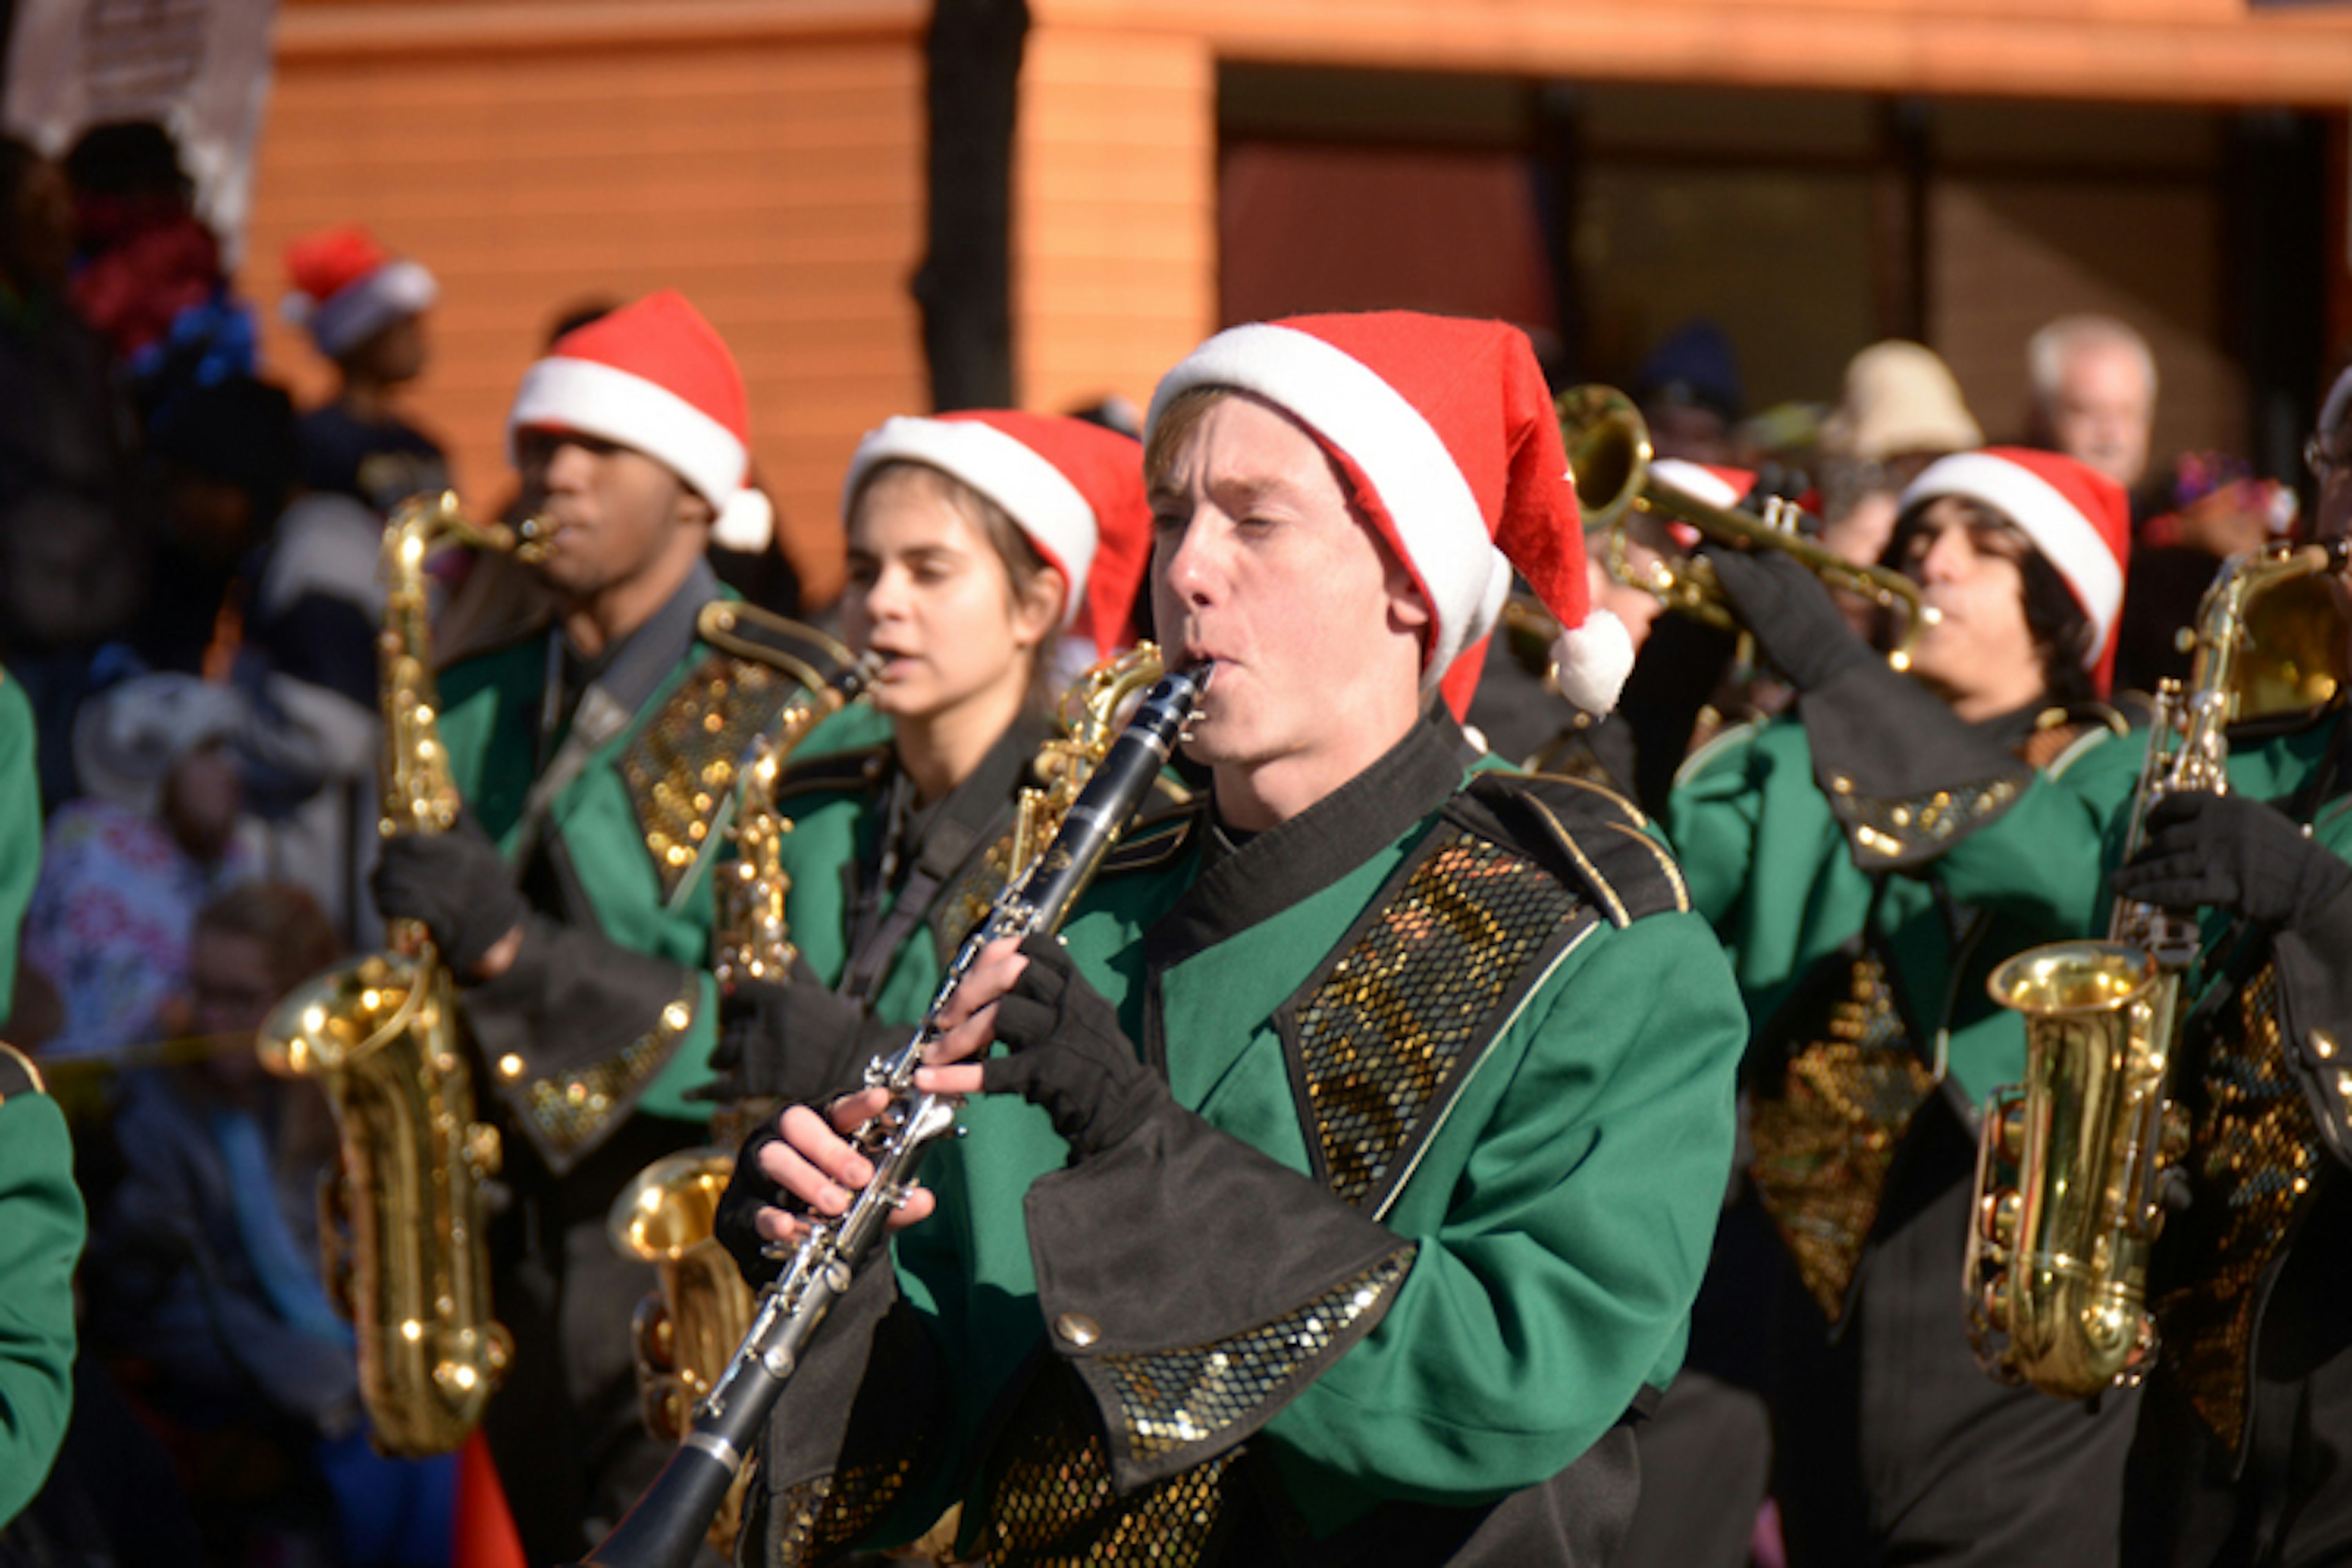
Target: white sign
[199, 67]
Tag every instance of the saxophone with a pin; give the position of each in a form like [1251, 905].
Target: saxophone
[683, 1332]
[2066, 1217]
[402, 1234]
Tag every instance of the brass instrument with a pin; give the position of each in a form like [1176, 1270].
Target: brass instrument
[2067, 1216]
[683, 1332]
[669, 1518]
[402, 1229]
[1609, 458]
[1087, 722]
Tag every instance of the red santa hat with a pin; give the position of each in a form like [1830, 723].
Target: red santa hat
[654, 378]
[1712, 483]
[1446, 432]
[1074, 489]
[346, 288]
[2079, 520]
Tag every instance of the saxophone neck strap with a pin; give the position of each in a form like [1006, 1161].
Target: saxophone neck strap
[17, 1074]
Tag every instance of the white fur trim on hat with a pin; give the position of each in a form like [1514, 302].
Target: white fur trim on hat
[599, 400]
[2057, 528]
[1694, 481]
[746, 523]
[360, 309]
[1354, 408]
[1593, 661]
[1054, 512]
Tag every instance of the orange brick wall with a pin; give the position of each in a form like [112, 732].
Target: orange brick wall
[776, 180]
[1115, 249]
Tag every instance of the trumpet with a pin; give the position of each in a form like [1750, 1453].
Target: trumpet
[1608, 456]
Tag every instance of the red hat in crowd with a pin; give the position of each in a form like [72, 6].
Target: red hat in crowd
[1446, 432]
[1074, 489]
[2079, 520]
[654, 378]
[348, 288]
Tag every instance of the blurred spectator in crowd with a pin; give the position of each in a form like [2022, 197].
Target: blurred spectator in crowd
[124, 869]
[1689, 391]
[1901, 410]
[204, 1284]
[227, 460]
[150, 276]
[364, 308]
[2094, 383]
[2208, 507]
[308, 665]
[71, 542]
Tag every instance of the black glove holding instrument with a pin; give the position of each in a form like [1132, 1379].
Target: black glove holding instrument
[458, 884]
[1798, 628]
[2228, 852]
[1069, 1057]
[797, 1041]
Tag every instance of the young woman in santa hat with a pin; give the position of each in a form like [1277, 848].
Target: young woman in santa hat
[1868, 862]
[988, 554]
[1343, 1192]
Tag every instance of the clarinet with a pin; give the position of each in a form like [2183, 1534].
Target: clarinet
[666, 1523]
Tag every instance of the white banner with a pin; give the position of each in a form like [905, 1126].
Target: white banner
[199, 67]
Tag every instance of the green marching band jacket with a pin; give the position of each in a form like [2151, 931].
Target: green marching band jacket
[1834, 854]
[609, 1009]
[41, 1220]
[2263, 1077]
[1451, 1070]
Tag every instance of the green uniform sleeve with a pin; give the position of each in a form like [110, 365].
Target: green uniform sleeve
[20, 829]
[1555, 1278]
[41, 1225]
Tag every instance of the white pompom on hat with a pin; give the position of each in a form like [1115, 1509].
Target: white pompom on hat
[1075, 488]
[346, 288]
[655, 377]
[2079, 519]
[1446, 432]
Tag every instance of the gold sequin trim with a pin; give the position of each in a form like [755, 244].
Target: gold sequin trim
[1825, 1139]
[817, 1517]
[574, 1109]
[1890, 828]
[1416, 993]
[680, 770]
[1174, 1399]
[2255, 1157]
[1052, 1505]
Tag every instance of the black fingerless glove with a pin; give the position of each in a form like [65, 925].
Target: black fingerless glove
[797, 1041]
[1070, 1057]
[458, 884]
[2227, 852]
[735, 1222]
[1798, 628]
